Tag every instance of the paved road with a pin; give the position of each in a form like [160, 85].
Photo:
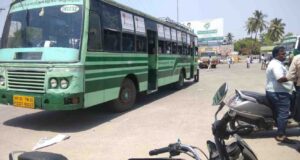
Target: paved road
[159, 119]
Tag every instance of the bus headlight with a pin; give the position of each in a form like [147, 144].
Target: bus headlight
[53, 83]
[64, 84]
[2, 81]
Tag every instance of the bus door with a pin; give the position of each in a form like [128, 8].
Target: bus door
[152, 61]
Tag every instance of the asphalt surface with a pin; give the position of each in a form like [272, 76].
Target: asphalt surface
[158, 119]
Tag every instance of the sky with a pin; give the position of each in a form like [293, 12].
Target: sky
[234, 12]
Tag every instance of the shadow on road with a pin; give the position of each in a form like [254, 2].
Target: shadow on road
[292, 132]
[83, 119]
[272, 133]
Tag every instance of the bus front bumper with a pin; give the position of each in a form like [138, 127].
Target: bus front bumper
[42, 101]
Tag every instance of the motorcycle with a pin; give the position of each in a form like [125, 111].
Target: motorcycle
[253, 109]
[218, 150]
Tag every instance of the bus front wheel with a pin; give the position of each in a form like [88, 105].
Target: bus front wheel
[127, 96]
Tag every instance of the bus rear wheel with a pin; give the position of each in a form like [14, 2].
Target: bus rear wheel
[127, 96]
[179, 84]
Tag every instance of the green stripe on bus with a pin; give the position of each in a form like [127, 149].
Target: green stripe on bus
[92, 86]
[106, 66]
[95, 75]
[121, 58]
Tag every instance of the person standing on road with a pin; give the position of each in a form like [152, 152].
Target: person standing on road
[229, 61]
[209, 62]
[248, 61]
[278, 91]
[294, 75]
[263, 62]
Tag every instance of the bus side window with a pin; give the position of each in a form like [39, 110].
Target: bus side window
[168, 47]
[180, 49]
[184, 49]
[161, 47]
[94, 36]
[174, 48]
[141, 44]
[111, 40]
[111, 23]
[128, 42]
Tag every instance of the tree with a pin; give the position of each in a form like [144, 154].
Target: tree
[258, 22]
[249, 26]
[265, 39]
[276, 29]
[229, 38]
[245, 46]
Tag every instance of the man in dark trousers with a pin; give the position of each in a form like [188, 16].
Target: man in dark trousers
[278, 91]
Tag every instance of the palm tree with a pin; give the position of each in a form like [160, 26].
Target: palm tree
[249, 26]
[229, 38]
[258, 21]
[276, 29]
[256, 24]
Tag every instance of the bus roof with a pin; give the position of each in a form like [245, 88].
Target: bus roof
[167, 23]
[290, 39]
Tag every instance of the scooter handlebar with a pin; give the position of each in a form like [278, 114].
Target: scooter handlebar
[159, 151]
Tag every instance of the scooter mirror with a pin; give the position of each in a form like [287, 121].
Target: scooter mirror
[220, 94]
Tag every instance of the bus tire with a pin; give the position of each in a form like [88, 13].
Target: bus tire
[180, 83]
[126, 98]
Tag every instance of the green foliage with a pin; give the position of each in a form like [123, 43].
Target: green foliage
[265, 40]
[256, 23]
[247, 46]
[276, 29]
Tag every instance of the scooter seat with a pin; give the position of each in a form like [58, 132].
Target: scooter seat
[260, 97]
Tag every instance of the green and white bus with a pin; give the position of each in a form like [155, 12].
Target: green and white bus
[290, 43]
[72, 54]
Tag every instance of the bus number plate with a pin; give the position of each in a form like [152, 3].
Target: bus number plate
[23, 101]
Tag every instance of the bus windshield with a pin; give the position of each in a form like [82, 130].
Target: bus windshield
[289, 46]
[49, 26]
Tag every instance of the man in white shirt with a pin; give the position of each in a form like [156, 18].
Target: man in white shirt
[248, 61]
[278, 91]
[263, 62]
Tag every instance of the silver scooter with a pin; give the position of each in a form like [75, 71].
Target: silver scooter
[253, 109]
